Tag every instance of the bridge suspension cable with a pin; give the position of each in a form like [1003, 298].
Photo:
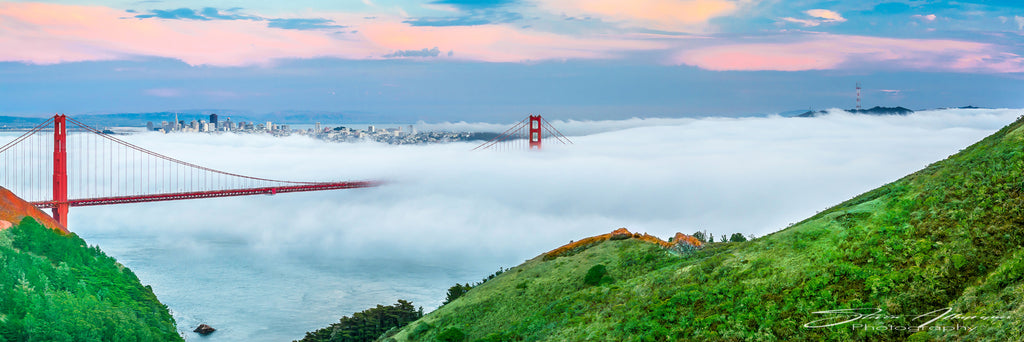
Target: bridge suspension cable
[79, 165]
[525, 134]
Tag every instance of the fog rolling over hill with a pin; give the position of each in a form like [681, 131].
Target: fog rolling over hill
[934, 256]
[279, 266]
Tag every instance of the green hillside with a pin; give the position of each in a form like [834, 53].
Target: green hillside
[948, 236]
[55, 288]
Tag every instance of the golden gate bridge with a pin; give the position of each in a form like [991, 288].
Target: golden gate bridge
[91, 167]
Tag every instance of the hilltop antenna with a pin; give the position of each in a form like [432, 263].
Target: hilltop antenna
[858, 95]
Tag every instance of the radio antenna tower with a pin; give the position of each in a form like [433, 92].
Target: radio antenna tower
[858, 95]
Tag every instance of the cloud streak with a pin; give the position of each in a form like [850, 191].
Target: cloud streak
[488, 31]
[671, 15]
[831, 51]
[49, 34]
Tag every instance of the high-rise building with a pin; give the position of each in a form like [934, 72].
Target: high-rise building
[213, 119]
[370, 129]
[270, 126]
[149, 125]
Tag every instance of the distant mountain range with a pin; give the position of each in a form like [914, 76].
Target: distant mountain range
[876, 110]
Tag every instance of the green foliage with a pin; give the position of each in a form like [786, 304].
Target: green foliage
[455, 292]
[595, 274]
[458, 290]
[946, 236]
[368, 325]
[701, 236]
[54, 288]
[419, 330]
[737, 237]
[451, 334]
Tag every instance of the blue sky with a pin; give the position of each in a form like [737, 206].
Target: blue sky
[497, 60]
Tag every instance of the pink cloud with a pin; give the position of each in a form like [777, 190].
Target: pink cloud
[49, 33]
[678, 15]
[499, 43]
[830, 51]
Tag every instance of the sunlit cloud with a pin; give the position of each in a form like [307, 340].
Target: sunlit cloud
[929, 17]
[818, 17]
[47, 34]
[500, 43]
[831, 51]
[672, 15]
[826, 15]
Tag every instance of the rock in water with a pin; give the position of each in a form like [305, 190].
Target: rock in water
[204, 329]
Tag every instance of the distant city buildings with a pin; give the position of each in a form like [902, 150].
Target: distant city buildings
[394, 135]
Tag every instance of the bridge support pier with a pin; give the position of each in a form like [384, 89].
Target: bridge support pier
[60, 170]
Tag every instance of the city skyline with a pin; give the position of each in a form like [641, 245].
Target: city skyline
[496, 60]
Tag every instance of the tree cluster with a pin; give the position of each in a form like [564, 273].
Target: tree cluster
[367, 325]
[55, 288]
[706, 237]
[458, 290]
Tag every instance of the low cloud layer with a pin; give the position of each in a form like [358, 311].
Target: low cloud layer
[294, 262]
[750, 175]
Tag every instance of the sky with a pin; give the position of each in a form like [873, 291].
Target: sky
[497, 60]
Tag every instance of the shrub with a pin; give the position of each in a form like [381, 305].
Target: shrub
[451, 334]
[595, 274]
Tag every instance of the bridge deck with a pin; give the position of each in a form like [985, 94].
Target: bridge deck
[209, 194]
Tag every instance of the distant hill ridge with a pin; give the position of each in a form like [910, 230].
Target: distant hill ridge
[876, 110]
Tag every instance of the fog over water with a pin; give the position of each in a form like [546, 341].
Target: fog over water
[269, 268]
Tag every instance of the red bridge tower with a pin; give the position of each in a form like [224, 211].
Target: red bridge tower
[60, 170]
[535, 132]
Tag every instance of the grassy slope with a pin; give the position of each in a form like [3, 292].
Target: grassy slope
[55, 288]
[947, 236]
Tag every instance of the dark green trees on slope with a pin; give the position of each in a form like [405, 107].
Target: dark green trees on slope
[368, 324]
[55, 288]
[947, 238]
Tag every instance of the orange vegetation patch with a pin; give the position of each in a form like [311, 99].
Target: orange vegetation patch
[680, 241]
[13, 209]
[687, 239]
